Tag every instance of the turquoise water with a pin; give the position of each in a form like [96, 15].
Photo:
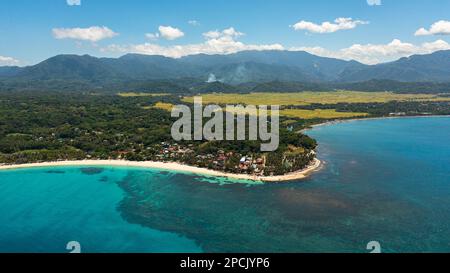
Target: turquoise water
[42, 209]
[383, 180]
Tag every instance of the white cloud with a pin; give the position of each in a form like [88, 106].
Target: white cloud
[229, 32]
[232, 32]
[435, 46]
[8, 61]
[170, 33]
[194, 23]
[93, 34]
[213, 34]
[422, 32]
[374, 2]
[74, 2]
[439, 28]
[167, 32]
[152, 36]
[216, 42]
[378, 53]
[327, 27]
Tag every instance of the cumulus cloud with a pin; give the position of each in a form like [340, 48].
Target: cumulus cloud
[216, 42]
[74, 2]
[378, 53]
[170, 33]
[93, 34]
[374, 2]
[229, 32]
[439, 28]
[167, 32]
[8, 61]
[328, 27]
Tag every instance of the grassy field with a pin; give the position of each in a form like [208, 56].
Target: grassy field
[306, 98]
[319, 113]
[135, 94]
[163, 106]
[292, 113]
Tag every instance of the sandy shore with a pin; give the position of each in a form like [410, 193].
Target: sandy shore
[202, 171]
[170, 166]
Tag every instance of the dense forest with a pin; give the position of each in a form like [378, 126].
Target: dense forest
[187, 86]
[50, 126]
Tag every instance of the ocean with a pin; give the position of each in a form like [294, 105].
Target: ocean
[384, 180]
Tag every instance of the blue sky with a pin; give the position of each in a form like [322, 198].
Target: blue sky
[33, 30]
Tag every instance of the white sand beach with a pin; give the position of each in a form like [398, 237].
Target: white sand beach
[171, 166]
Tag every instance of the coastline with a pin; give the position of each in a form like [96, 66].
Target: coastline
[337, 121]
[171, 166]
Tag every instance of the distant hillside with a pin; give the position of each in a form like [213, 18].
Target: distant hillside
[9, 71]
[70, 67]
[247, 66]
[433, 67]
[258, 70]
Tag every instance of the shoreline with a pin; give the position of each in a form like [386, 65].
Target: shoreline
[337, 121]
[171, 166]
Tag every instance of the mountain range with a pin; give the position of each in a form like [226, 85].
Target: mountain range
[240, 68]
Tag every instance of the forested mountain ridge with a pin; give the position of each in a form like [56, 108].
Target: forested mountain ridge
[247, 68]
